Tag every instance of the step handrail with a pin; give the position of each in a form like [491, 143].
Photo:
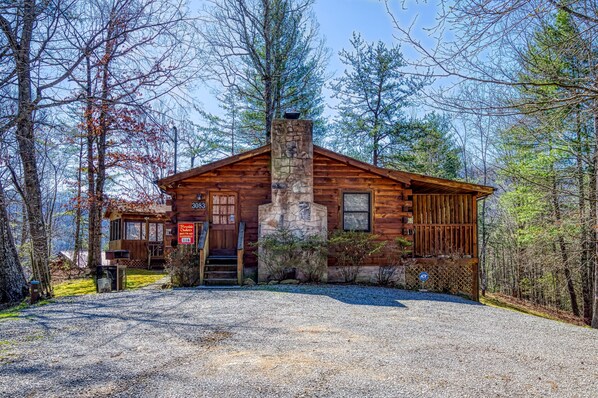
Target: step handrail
[240, 252]
[202, 246]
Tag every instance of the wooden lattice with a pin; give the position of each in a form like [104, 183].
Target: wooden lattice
[445, 276]
[132, 263]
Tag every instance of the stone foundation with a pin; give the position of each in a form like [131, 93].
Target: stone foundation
[367, 274]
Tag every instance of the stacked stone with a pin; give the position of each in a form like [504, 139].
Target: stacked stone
[292, 204]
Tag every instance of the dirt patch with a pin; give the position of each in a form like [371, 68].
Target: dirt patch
[274, 366]
[214, 338]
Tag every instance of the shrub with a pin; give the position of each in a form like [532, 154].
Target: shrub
[313, 264]
[400, 257]
[182, 264]
[283, 251]
[351, 248]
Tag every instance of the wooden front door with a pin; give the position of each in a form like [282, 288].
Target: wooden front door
[223, 223]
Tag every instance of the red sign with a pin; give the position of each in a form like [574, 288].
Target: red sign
[186, 234]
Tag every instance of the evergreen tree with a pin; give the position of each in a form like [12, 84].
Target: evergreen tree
[425, 147]
[373, 93]
[267, 52]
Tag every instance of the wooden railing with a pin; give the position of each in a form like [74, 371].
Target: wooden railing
[155, 249]
[432, 240]
[240, 252]
[444, 224]
[203, 248]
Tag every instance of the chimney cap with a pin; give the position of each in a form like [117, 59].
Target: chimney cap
[292, 115]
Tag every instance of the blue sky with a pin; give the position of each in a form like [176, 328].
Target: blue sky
[338, 19]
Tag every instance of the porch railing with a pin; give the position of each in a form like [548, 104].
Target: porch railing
[155, 249]
[203, 248]
[240, 252]
[432, 240]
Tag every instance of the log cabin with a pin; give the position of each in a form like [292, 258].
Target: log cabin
[225, 205]
[137, 235]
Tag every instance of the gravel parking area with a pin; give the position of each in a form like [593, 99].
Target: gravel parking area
[292, 341]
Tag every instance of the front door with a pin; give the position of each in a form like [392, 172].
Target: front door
[223, 223]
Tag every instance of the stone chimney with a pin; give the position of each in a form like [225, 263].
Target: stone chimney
[292, 204]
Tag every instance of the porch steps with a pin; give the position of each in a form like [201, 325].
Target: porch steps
[220, 270]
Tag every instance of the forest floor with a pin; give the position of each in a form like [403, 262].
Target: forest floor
[305, 340]
[526, 307]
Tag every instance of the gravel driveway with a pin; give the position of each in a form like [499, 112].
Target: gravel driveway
[298, 341]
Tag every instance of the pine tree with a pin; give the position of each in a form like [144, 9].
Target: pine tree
[267, 52]
[373, 93]
[425, 147]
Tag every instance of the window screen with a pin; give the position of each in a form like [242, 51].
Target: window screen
[356, 211]
[135, 230]
[156, 232]
[115, 233]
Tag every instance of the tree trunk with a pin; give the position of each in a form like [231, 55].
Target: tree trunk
[482, 220]
[268, 94]
[563, 248]
[26, 146]
[97, 195]
[13, 285]
[595, 242]
[585, 264]
[78, 210]
[92, 248]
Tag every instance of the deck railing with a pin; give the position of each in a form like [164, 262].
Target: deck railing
[155, 249]
[431, 240]
[240, 252]
[203, 248]
[444, 224]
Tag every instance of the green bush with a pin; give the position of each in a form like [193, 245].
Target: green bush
[314, 262]
[282, 251]
[399, 257]
[351, 249]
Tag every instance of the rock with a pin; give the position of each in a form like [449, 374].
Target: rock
[248, 282]
[262, 283]
[289, 282]
[273, 283]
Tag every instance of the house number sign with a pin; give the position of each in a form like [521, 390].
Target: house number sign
[198, 205]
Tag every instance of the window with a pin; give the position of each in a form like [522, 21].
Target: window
[115, 231]
[223, 209]
[356, 211]
[156, 232]
[134, 230]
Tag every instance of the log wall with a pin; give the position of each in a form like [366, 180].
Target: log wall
[250, 178]
[436, 223]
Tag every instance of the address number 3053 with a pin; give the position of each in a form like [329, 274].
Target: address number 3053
[198, 205]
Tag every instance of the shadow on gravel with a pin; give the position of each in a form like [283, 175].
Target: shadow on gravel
[365, 295]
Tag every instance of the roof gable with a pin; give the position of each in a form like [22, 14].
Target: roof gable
[410, 179]
[164, 182]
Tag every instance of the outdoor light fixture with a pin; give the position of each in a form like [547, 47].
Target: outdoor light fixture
[199, 196]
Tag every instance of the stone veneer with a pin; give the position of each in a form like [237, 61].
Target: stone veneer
[292, 205]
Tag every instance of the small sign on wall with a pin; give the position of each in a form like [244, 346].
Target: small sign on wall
[186, 234]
